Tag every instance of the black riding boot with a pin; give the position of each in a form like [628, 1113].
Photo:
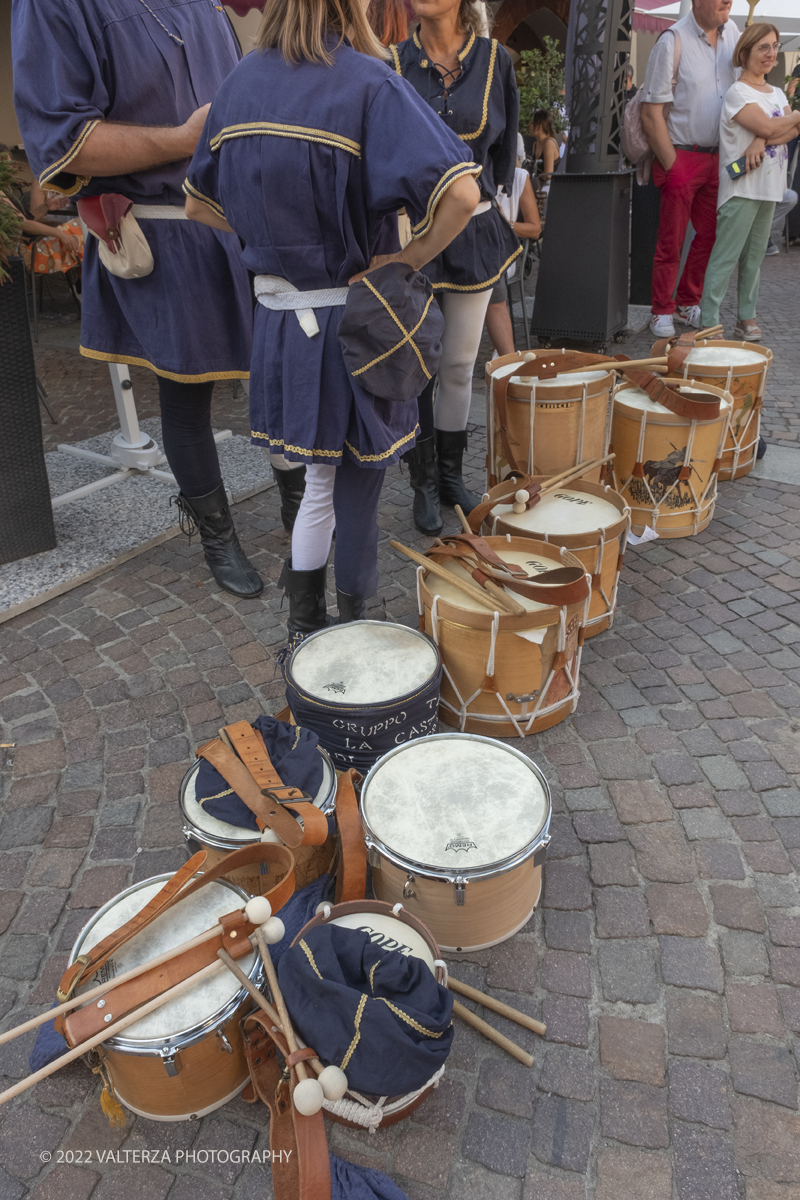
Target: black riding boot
[291, 486]
[351, 608]
[422, 472]
[450, 447]
[308, 609]
[225, 557]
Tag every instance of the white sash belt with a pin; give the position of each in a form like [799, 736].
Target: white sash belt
[483, 207]
[281, 296]
[158, 212]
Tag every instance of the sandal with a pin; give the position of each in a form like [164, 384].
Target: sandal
[747, 332]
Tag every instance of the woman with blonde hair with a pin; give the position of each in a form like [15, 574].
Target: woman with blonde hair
[311, 145]
[746, 203]
[468, 81]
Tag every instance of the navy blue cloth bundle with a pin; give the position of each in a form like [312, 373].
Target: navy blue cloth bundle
[379, 1015]
[294, 754]
[349, 1182]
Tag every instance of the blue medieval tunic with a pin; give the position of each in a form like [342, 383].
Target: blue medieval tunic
[308, 163]
[77, 62]
[482, 107]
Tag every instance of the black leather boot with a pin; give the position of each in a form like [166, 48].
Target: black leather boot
[291, 486]
[351, 608]
[422, 472]
[450, 447]
[308, 610]
[227, 561]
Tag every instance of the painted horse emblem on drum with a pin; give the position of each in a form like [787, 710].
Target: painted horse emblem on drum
[664, 475]
[460, 844]
[339, 688]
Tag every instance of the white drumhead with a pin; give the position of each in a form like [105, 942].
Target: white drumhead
[588, 376]
[455, 802]
[723, 356]
[389, 934]
[564, 512]
[183, 921]
[534, 562]
[637, 398]
[206, 823]
[363, 662]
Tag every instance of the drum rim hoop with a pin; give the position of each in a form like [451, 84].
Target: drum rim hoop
[368, 706]
[216, 841]
[382, 908]
[500, 866]
[665, 417]
[607, 493]
[184, 1038]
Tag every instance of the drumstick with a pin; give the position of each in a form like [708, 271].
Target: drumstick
[707, 332]
[498, 1038]
[509, 604]
[469, 589]
[110, 1032]
[505, 1010]
[566, 477]
[104, 988]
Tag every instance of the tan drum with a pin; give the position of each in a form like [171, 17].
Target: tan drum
[457, 829]
[186, 1058]
[502, 674]
[588, 519]
[393, 928]
[666, 465]
[219, 839]
[552, 424]
[739, 368]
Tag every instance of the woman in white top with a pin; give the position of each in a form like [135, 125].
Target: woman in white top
[521, 211]
[746, 205]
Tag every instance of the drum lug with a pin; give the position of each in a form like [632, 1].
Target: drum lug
[522, 699]
[373, 856]
[224, 1043]
[171, 1059]
[408, 891]
[461, 888]
[540, 853]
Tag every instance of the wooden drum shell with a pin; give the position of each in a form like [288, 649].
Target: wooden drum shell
[680, 509]
[464, 639]
[607, 548]
[746, 384]
[564, 433]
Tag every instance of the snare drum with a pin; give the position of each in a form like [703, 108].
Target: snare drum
[186, 1058]
[739, 368]
[457, 828]
[506, 675]
[363, 688]
[552, 424]
[219, 839]
[666, 465]
[392, 928]
[590, 520]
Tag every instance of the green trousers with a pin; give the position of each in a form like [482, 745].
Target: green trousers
[742, 234]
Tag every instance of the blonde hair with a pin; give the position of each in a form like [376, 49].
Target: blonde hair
[751, 36]
[298, 29]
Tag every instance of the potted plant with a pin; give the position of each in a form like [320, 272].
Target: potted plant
[27, 525]
[540, 77]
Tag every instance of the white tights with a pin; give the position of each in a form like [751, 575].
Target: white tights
[313, 529]
[464, 314]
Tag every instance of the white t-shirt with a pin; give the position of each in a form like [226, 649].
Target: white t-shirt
[767, 182]
[509, 205]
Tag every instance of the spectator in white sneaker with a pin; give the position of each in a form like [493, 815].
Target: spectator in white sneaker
[782, 210]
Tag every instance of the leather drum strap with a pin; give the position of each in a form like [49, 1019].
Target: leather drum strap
[178, 888]
[562, 585]
[269, 813]
[699, 406]
[351, 878]
[300, 1162]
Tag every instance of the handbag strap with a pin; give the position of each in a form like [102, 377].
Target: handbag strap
[351, 878]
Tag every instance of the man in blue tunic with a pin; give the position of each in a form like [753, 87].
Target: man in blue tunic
[111, 97]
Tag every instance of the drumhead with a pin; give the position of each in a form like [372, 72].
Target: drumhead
[534, 562]
[637, 398]
[363, 662]
[564, 512]
[723, 356]
[588, 376]
[202, 1005]
[204, 822]
[455, 802]
[389, 934]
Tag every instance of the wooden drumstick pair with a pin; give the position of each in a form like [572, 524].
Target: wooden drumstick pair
[503, 1010]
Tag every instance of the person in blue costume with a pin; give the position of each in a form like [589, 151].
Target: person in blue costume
[111, 97]
[469, 82]
[311, 147]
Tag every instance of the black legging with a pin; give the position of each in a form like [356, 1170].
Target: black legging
[186, 433]
[425, 407]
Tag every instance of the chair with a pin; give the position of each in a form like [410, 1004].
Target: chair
[529, 247]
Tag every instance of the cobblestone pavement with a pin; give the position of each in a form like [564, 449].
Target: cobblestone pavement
[664, 958]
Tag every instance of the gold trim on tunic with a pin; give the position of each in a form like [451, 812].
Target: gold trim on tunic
[121, 357]
[271, 129]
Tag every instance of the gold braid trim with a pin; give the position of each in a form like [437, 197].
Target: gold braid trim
[396, 58]
[357, 1038]
[407, 337]
[478, 287]
[218, 796]
[190, 190]
[57, 167]
[450, 176]
[254, 433]
[304, 946]
[469, 137]
[271, 129]
[409, 1020]
[121, 356]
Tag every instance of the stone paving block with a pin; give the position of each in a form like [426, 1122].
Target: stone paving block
[705, 823]
[781, 801]
[25, 1135]
[612, 862]
[567, 1020]
[695, 1025]
[621, 913]
[677, 909]
[789, 1000]
[598, 827]
[567, 1073]
[753, 1008]
[587, 799]
[445, 1107]
[784, 928]
[620, 759]
[743, 953]
[513, 966]
[628, 972]
[718, 860]
[562, 1133]
[500, 1143]
[506, 1087]
[624, 1174]
[567, 931]
[473, 1182]
[689, 962]
[699, 1093]
[539, 1186]
[704, 1164]
[65, 1182]
[567, 973]
[763, 1070]
[662, 853]
[761, 1189]
[737, 907]
[632, 1049]
[768, 857]
[566, 886]
[692, 795]
[634, 1113]
[766, 1141]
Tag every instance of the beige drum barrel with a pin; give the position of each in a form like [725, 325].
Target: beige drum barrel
[666, 465]
[552, 424]
[739, 368]
[457, 829]
[186, 1058]
[503, 674]
[219, 839]
[590, 520]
